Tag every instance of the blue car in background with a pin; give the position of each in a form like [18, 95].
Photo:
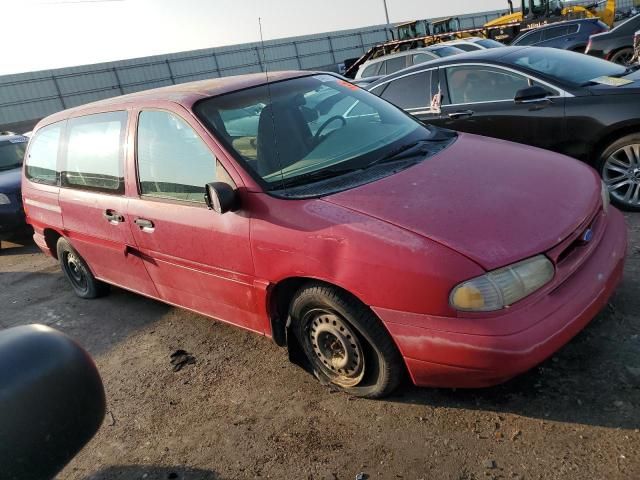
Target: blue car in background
[12, 221]
[570, 35]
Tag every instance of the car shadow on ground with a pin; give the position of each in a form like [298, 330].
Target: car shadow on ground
[152, 472]
[18, 246]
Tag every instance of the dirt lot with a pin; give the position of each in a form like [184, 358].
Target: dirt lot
[242, 411]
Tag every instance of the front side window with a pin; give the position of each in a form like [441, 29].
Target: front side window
[412, 91]
[42, 160]
[483, 84]
[95, 152]
[306, 128]
[173, 161]
[12, 153]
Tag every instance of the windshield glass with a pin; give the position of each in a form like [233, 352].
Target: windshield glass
[12, 154]
[567, 67]
[489, 43]
[299, 128]
[447, 51]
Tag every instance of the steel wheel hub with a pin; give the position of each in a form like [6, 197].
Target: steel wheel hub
[337, 349]
[75, 272]
[621, 174]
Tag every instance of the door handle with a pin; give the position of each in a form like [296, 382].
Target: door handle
[461, 114]
[113, 217]
[144, 224]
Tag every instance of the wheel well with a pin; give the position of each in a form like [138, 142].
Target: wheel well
[608, 139]
[51, 239]
[280, 299]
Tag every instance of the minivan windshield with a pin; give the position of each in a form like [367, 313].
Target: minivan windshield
[12, 154]
[565, 66]
[297, 131]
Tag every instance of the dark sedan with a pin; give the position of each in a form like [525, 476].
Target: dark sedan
[12, 148]
[615, 45]
[570, 35]
[563, 101]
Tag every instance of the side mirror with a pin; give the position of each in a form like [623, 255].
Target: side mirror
[531, 94]
[221, 197]
[52, 401]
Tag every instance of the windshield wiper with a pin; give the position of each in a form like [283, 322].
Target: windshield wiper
[313, 177]
[421, 147]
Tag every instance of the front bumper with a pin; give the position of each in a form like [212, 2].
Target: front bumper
[12, 219]
[454, 358]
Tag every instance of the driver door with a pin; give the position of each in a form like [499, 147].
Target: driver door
[479, 99]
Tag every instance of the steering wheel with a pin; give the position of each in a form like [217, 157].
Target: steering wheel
[316, 137]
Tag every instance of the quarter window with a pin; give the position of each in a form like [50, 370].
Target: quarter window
[43, 155]
[412, 91]
[173, 161]
[370, 71]
[483, 84]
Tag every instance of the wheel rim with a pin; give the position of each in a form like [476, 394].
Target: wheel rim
[621, 174]
[623, 58]
[334, 347]
[75, 272]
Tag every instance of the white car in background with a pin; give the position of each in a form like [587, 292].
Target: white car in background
[472, 44]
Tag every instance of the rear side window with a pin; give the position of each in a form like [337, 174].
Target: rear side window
[42, 160]
[555, 32]
[573, 29]
[529, 39]
[422, 57]
[395, 64]
[467, 47]
[412, 91]
[95, 152]
[173, 161]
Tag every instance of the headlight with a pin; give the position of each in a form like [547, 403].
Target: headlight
[4, 200]
[503, 287]
[606, 199]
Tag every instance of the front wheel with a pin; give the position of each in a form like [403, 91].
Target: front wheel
[619, 166]
[346, 344]
[84, 284]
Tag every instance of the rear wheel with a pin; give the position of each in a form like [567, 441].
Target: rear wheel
[619, 166]
[622, 56]
[346, 344]
[84, 284]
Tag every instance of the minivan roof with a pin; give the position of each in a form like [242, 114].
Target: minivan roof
[185, 94]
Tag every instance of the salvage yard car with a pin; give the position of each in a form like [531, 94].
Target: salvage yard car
[563, 101]
[12, 149]
[373, 244]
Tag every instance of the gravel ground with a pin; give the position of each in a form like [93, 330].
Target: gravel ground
[242, 411]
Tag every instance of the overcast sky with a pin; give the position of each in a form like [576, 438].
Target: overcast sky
[42, 34]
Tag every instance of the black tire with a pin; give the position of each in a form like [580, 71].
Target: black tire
[345, 342]
[84, 284]
[619, 170]
[622, 56]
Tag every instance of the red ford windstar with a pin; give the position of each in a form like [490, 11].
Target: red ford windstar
[311, 211]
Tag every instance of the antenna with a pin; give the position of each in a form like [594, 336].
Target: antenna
[273, 119]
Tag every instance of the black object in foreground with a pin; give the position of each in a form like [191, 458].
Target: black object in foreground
[52, 401]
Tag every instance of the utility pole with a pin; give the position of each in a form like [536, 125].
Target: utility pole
[386, 13]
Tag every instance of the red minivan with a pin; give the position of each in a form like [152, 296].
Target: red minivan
[308, 210]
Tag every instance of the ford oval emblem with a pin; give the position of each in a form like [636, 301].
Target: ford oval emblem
[587, 236]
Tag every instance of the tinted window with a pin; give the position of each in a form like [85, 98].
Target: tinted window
[173, 161]
[43, 155]
[571, 29]
[628, 26]
[568, 67]
[395, 64]
[529, 38]
[483, 84]
[554, 32]
[95, 152]
[12, 153]
[379, 89]
[422, 57]
[370, 71]
[412, 91]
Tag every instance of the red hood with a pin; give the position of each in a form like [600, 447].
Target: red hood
[495, 202]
